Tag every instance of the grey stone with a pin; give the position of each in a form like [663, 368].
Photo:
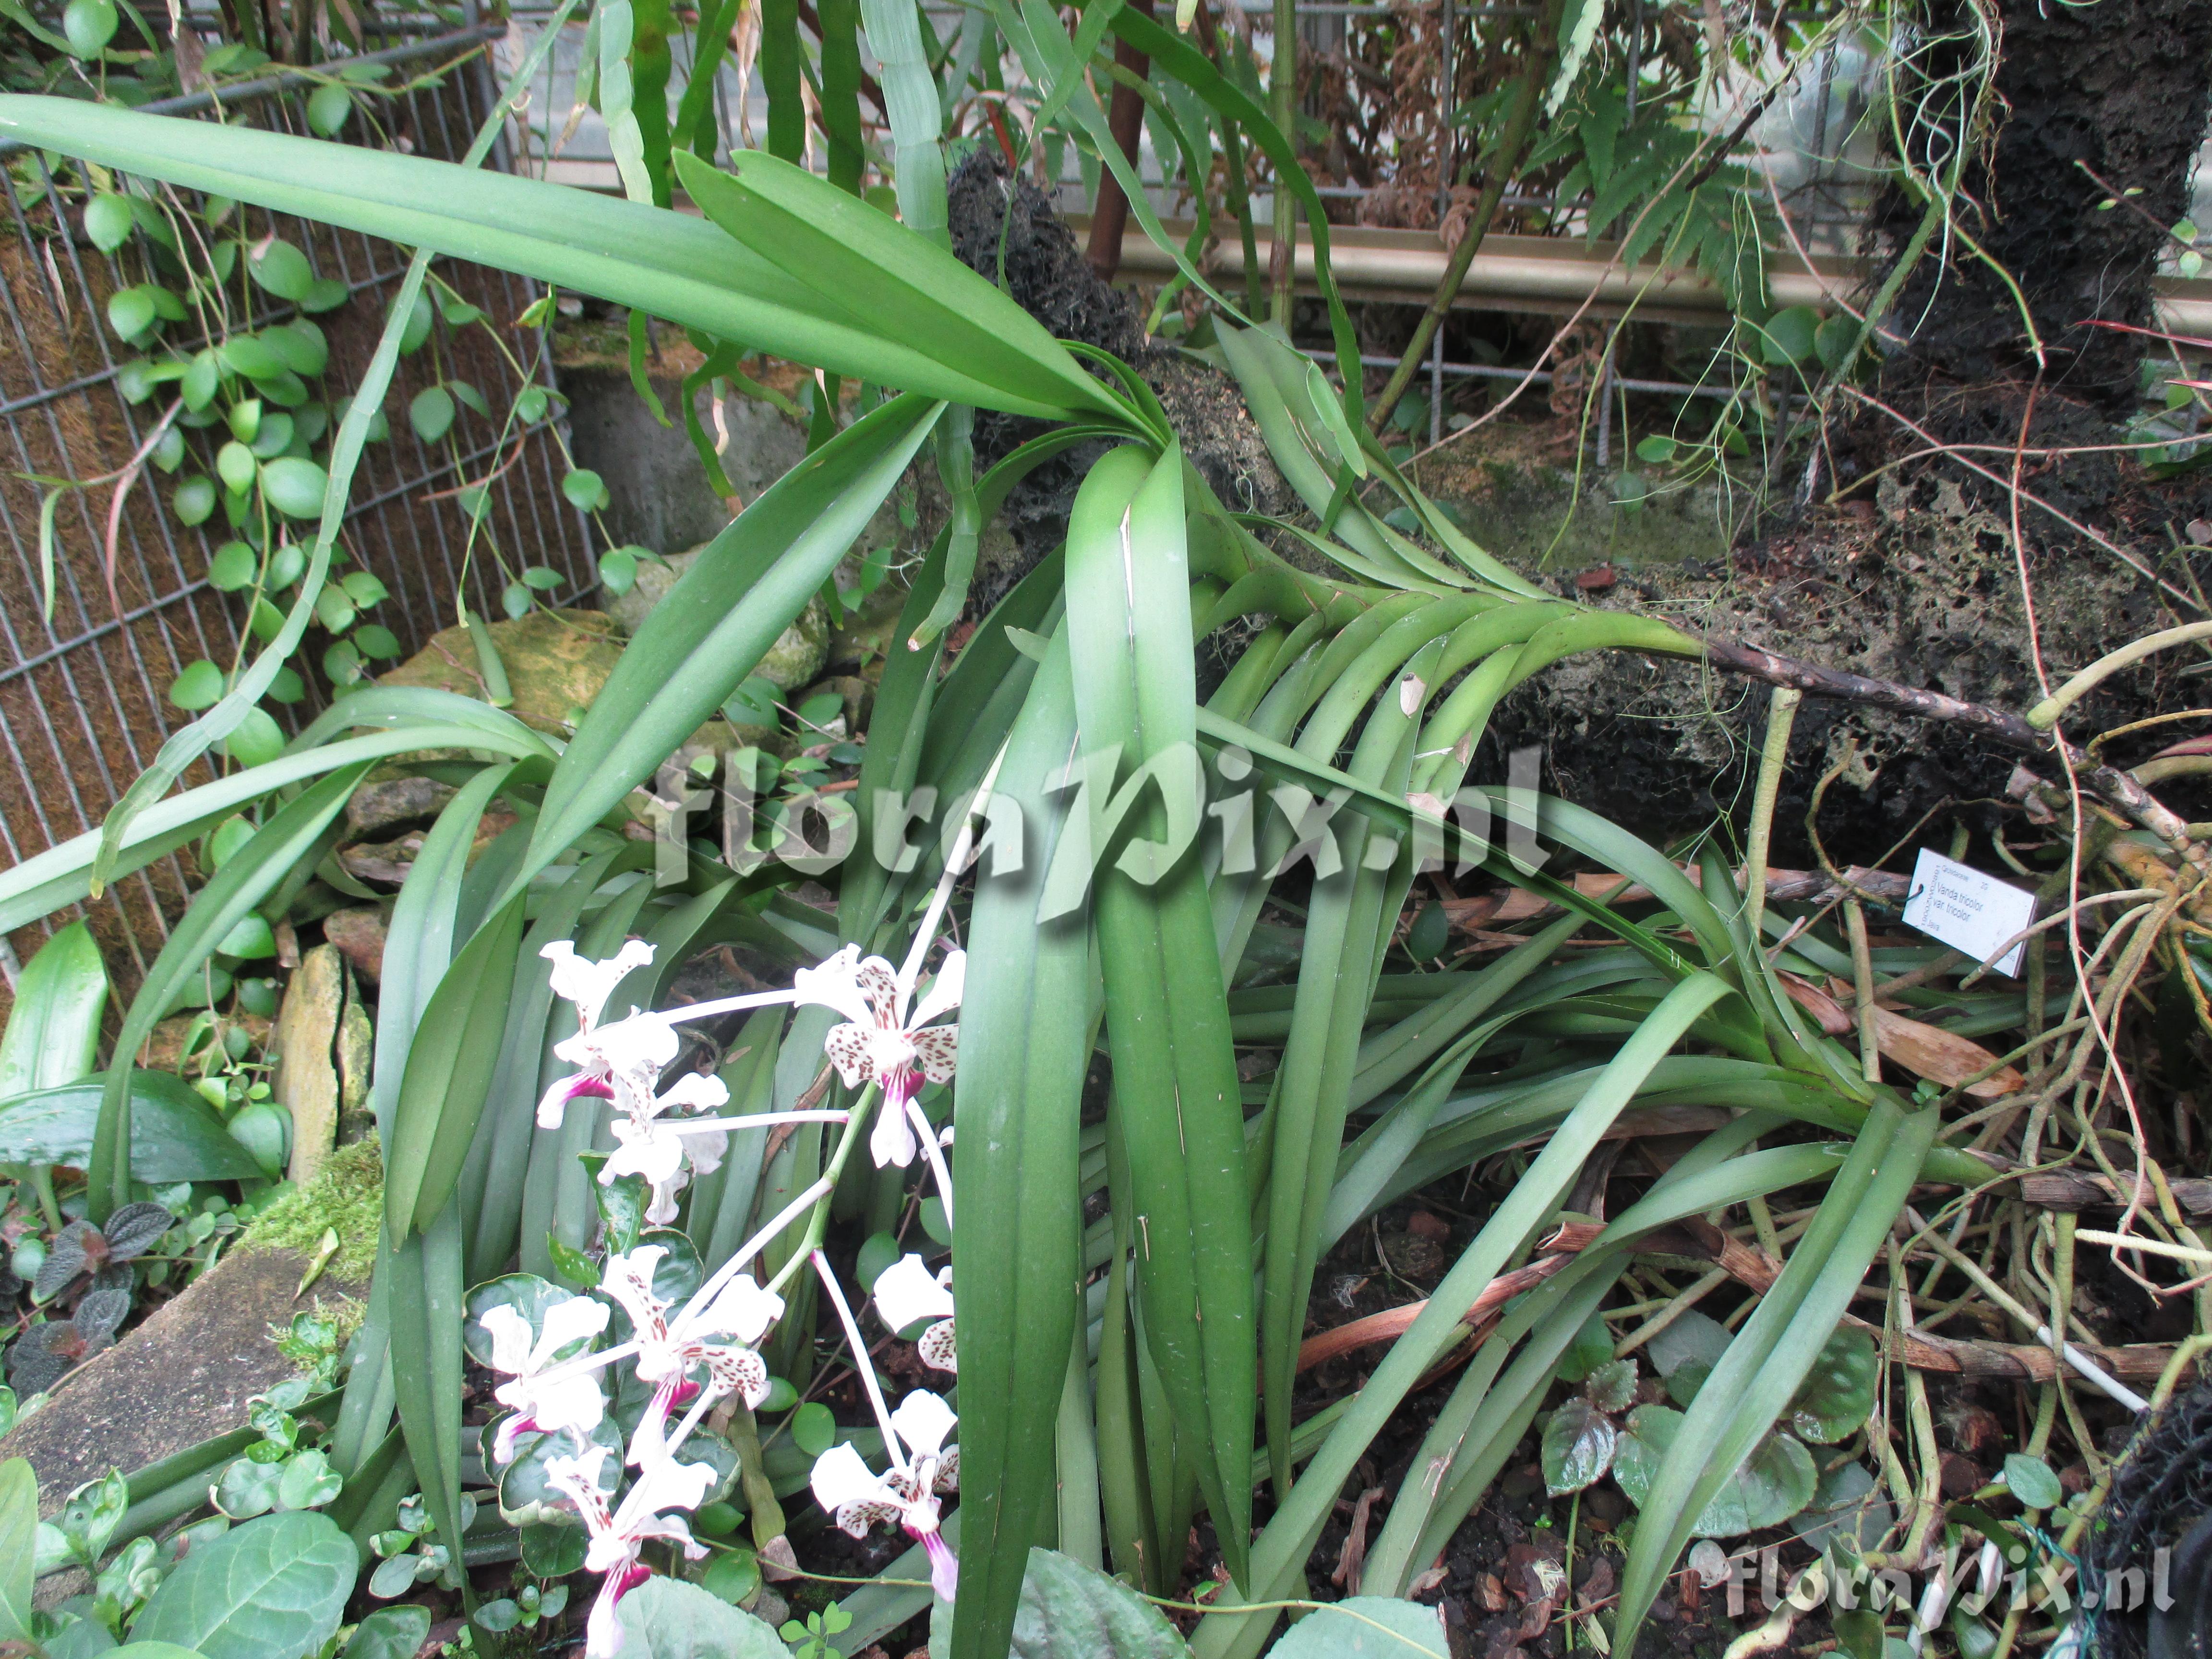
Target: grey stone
[378, 807]
[183, 1377]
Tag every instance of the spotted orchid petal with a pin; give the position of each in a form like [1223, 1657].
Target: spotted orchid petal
[944, 992]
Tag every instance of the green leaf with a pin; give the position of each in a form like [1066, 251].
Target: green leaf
[1789, 336]
[746, 586]
[1365, 1627]
[1069, 1611]
[53, 1034]
[1167, 1025]
[431, 413]
[256, 740]
[264, 1129]
[294, 486]
[329, 107]
[619, 570]
[683, 270]
[851, 258]
[19, 1528]
[272, 1589]
[130, 311]
[1772, 1485]
[813, 1428]
[280, 267]
[2030, 1479]
[175, 1135]
[586, 490]
[450, 1065]
[89, 25]
[1835, 1401]
[1578, 1446]
[107, 220]
[668, 1619]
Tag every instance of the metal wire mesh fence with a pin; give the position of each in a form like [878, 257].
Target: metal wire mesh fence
[83, 703]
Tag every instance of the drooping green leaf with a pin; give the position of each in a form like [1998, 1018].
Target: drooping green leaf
[53, 1034]
[274, 1587]
[856, 258]
[667, 265]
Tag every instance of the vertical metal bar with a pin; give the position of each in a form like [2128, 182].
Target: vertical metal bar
[1446, 99]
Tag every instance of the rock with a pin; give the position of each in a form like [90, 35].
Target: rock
[382, 806]
[358, 932]
[557, 661]
[306, 1080]
[799, 654]
[183, 1377]
[356, 1053]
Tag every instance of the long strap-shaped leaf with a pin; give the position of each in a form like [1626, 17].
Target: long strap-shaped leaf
[1174, 1073]
[719, 619]
[863, 263]
[247, 877]
[1289, 1537]
[910, 101]
[62, 875]
[1313, 1089]
[451, 1065]
[663, 264]
[1778, 1345]
[1025, 1034]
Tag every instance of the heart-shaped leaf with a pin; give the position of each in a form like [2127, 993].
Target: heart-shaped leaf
[1578, 1447]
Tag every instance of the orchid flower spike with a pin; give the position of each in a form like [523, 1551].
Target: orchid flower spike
[857, 1498]
[567, 1399]
[618, 1536]
[905, 1293]
[887, 1038]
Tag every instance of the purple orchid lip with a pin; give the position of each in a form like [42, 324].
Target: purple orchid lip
[944, 1566]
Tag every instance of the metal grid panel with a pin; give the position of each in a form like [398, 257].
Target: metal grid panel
[82, 702]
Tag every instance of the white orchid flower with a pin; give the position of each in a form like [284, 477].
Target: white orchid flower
[619, 1062]
[655, 1148]
[888, 1038]
[618, 1536]
[547, 1393]
[740, 1311]
[905, 1293]
[855, 1495]
[857, 1498]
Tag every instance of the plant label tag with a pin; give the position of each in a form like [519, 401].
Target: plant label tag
[1967, 910]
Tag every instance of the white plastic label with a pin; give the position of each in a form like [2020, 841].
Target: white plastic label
[1967, 910]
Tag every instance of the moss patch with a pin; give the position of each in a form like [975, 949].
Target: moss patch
[347, 1194]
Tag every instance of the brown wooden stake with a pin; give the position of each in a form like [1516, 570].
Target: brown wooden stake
[1125, 120]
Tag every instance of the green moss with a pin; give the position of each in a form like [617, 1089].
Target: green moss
[347, 1194]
